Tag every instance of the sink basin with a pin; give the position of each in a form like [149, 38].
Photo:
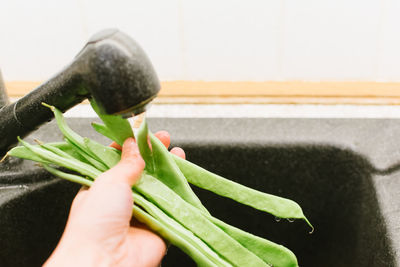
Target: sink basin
[345, 174]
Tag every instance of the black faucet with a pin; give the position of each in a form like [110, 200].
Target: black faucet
[111, 68]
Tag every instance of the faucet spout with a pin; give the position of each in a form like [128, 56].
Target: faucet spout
[111, 68]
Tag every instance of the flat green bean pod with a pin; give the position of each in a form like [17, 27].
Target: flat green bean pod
[269, 252]
[116, 126]
[24, 153]
[145, 151]
[194, 220]
[103, 130]
[74, 138]
[277, 206]
[71, 164]
[70, 149]
[166, 170]
[109, 156]
[92, 161]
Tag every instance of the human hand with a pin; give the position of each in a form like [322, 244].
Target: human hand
[99, 231]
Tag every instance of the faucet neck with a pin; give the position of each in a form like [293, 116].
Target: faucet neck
[64, 90]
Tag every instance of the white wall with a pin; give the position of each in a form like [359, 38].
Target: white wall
[212, 39]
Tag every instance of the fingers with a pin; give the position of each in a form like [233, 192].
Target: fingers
[178, 152]
[164, 137]
[131, 165]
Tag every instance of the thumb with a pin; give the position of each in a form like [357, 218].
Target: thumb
[110, 196]
[130, 167]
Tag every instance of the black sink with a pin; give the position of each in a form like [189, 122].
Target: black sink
[343, 172]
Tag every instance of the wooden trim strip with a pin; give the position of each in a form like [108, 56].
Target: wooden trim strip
[241, 92]
[279, 100]
[275, 88]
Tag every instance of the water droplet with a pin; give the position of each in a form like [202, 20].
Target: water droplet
[277, 219]
[290, 220]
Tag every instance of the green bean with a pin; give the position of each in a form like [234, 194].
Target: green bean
[68, 176]
[270, 252]
[64, 128]
[166, 232]
[92, 161]
[168, 172]
[71, 164]
[116, 125]
[24, 153]
[110, 156]
[100, 156]
[69, 149]
[64, 146]
[72, 137]
[177, 240]
[277, 206]
[194, 220]
[103, 130]
[195, 247]
[145, 151]
[57, 151]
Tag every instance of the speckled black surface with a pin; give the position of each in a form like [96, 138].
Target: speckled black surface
[343, 172]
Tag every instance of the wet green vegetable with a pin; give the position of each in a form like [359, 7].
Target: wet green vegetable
[277, 206]
[163, 198]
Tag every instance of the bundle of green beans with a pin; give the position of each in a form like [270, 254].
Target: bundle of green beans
[164, 201]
